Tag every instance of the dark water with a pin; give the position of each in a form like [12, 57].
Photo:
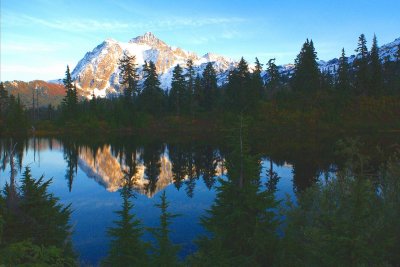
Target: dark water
[89, 176]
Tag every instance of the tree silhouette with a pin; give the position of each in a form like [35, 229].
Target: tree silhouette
[306, 77]
[126, 246]
[361, 66]
[164, 252]
[129, 77]
[241, 223]
[343, 81]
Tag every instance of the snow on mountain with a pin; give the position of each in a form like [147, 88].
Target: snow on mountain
[97, 72]
[386, 52]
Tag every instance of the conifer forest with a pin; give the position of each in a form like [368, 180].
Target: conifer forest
[206, 162]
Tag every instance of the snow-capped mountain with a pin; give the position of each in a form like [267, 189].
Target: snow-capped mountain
[97, 72]
[386, 52]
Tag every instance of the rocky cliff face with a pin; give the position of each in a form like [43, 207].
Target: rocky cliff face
[98, 71]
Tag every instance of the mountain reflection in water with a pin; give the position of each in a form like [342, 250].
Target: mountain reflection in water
[109, 170]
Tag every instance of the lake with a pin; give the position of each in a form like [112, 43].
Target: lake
[89, 174]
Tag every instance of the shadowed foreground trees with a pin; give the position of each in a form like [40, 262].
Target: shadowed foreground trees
[127, 247]
[241, 222]
[36, 226]
[350, 220]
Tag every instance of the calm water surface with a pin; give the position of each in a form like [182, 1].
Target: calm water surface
[89, 177]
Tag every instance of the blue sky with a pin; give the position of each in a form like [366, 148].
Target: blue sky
[40, 37]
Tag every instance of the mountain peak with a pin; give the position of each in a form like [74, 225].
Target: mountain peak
[110, 40]
[148, 38]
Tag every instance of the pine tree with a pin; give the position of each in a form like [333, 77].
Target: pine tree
[361, 66]
[71, 158]
[238, 87]
[68, 86]
[31, 221]
[126, 248]
[327, 80]
[306, 77]
[209, 85]
[376, 78]
[16, 120]
[74, 96]
[36, 232]
[70, 99]
[151, 160]
[177, 94]
[190, 84]
[129, 77]
[343, 82]
[151, 98]
[177, 157]
[251, 238]
[257, 82]
[274, 77]
[165, 253]
[198, 92]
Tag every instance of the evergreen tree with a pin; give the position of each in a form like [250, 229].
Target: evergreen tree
[129, 77]
[26, 253]
[239, 84]
[327, 80]
[251, 238]
[68, 86]
[16, 120]
[190, 170]
[71, 158]
[190, 84]
[306, 77]
[361, 66]
[38, 217]
[274, 77]
[257, 82]
[151, 160]
[177, 94]
[343, 82]
[209, 85]
[165, 253]
[70, 99]
[198, 92]
[74, 96]
[151, 98]
[177, 157]
[376, 83]
[126, 248]
[208, 164]
[351, 215]
[38, 205]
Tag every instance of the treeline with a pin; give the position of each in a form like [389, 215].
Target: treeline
[367, 88]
